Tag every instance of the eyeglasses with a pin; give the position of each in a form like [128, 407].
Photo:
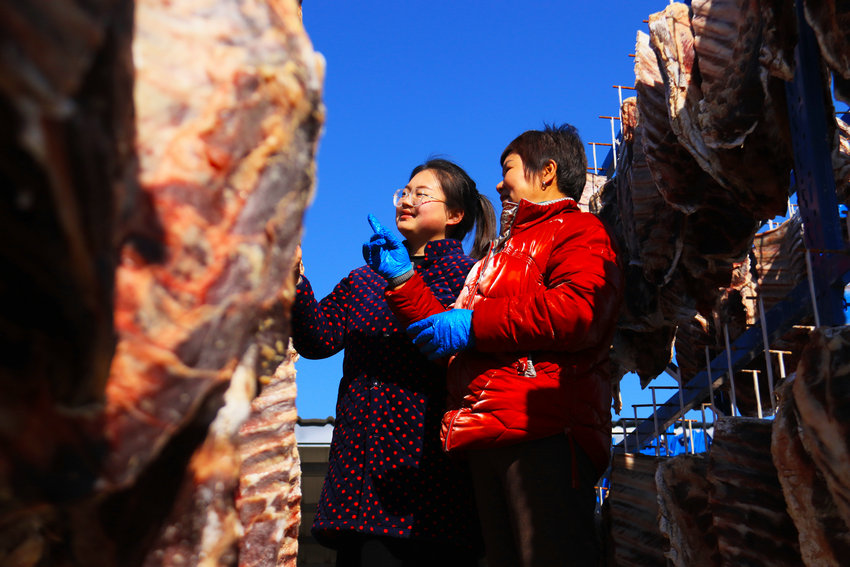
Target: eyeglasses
[415, 197]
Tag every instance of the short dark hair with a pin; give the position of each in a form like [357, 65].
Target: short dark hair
[462, 195]
[559, 143]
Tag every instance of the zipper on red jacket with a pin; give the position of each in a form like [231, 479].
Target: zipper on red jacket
[449, 431]
[474, 289]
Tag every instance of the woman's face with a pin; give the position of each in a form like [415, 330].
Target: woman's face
[515, 185]
[429, 220]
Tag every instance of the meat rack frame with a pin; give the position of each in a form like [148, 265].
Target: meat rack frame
[830, 263]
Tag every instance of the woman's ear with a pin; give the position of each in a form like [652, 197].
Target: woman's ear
[549, 173]
[453, 216]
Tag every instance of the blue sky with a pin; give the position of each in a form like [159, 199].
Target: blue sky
[410, 79]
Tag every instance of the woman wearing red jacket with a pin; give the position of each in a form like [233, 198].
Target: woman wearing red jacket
[529, 339]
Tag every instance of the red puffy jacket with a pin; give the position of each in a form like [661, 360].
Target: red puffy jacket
[545, 302]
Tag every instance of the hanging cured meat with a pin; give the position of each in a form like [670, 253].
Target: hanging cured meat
[202, 524]
[692, 336]
[677, 175]
[747, 506]
[652, 235]
[67, 166]
[249, 451]
[631, 518]
[218, 183]
[780, 38]
[780, 261]
[641, 220]
[684, 514]
[672, 39]
[646, 353]
[824, 537]
[755, 174]
[161, 159]
[775, 266]
[710, 258]
[626, 214]
[822, 397]
[830, 21]
[268, 501]
[727, 40]
[735, 312]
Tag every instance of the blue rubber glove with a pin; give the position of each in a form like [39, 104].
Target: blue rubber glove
[443, 334]
[385, 253]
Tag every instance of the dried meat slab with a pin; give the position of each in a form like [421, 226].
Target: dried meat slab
[682, 182]
[653, 226]
[165, 226]
[658, 226]
[684, 513]
[646, 353]
[641, 221]
[202, 526]
[269, 496]
[830, 20]
[727, 42]
[67, 168]
[667, 95]
[780, 38]
[780, 262]
[748, 509]
[717, 239]
[692, 336]
[824, 537]
[228, 120]
[672, 39]
[633, 536]
[822, 397]
[239, 492]
[756, 174]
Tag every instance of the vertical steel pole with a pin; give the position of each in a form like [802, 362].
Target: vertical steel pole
[767, 361]
[731, 373]
[655, 421]
[710, 381]
[755, 374]
[625, 437]
[818, 203]
[812, 291]
[691, 436]
[613, 144]
[637, 436]
[781, 356]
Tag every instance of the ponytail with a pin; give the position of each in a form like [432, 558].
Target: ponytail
[485, 227]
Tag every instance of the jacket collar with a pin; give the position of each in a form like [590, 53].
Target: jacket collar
[517, 216]
[530, 213]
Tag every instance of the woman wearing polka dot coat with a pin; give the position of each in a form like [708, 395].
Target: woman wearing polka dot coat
[391, 495]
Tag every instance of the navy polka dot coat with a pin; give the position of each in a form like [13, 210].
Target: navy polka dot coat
[387, 473]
